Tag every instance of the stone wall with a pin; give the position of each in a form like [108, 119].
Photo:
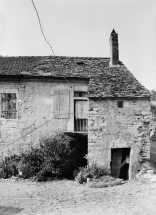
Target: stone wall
[34, 112]
[153, 132]
[113, 127]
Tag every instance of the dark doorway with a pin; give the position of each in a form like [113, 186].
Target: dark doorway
[80, 146]
[81, 149]
[120, 163]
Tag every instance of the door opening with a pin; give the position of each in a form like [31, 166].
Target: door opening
[80, 147]
[120, 163]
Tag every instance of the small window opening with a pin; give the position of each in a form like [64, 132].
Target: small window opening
[80, 94]
[80, 63]
[120, 104]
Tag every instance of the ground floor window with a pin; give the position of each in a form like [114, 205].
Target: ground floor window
[8, 105]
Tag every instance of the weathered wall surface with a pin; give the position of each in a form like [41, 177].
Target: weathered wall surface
[109, 126]
[34, 113]
[113, 127]
[153, 131]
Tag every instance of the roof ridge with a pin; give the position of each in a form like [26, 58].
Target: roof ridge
[56, 56]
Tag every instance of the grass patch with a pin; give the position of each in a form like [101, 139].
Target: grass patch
[6, 210]
[105, 181]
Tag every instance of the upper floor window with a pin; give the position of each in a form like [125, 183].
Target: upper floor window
[80, 111]
[120, 104]
[8, 105]
[80, 116]
[80, 94]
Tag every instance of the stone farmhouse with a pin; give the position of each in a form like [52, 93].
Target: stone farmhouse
[96, 100]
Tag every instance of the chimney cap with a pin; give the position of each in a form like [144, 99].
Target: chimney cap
[114, 49]
[113, 32]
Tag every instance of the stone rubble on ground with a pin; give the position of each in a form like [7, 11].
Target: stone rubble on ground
[147, 175]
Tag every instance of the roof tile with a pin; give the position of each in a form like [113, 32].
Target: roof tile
[105, 81]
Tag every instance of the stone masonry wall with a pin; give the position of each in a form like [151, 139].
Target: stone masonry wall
[34, 114]
[113, 127]
[153, 131]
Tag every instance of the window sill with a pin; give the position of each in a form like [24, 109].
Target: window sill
[3, 119]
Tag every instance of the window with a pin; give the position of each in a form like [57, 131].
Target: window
[8, 105]
[120, 104]
[80, 94]
[61, 104]
[80, 111]
[81, 118]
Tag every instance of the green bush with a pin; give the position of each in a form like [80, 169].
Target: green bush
[51, 159]
[41, 176]
[94, 170]
[82, 175]
[31, 162]
[8, 166]
[57, 154]
[90, 171]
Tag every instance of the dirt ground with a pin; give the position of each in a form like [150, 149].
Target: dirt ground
[67, 197]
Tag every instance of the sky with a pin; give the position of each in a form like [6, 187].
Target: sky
[82, 28]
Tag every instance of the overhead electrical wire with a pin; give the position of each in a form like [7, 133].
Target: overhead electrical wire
[144, 73]
[42, 28]
[11, 143]
[144, 64]
[8, 144]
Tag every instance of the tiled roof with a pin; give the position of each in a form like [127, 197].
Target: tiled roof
[105, 81]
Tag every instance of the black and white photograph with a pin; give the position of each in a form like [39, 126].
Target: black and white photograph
[77, 107]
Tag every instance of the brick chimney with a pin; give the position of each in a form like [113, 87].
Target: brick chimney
[114, 49]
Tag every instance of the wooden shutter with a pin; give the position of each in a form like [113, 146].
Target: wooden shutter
[64, 103]
[56, 107]
[12, 105]
[8, 107]
[4, 105]
[61, 104]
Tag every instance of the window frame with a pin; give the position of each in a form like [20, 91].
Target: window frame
[9, 91]
[120, 103]
[80, 99]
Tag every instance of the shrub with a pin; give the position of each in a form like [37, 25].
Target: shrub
[57, 155]
[8, 166]
[82, 175]
[94, 170]
[30, 162]
[90, 171]
[41, 176]
[51, 159]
